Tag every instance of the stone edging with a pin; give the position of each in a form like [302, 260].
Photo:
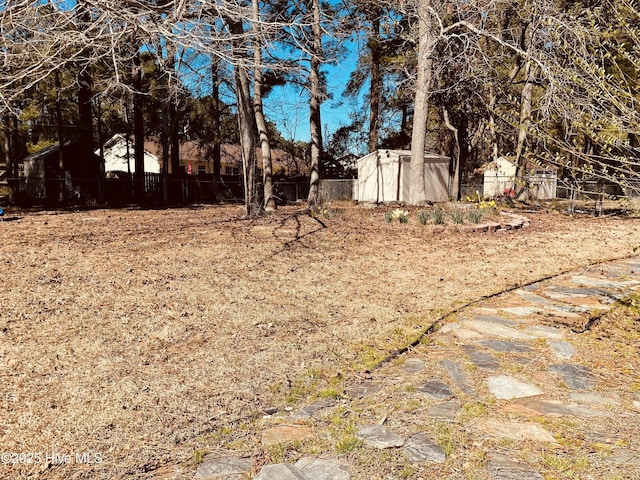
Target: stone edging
[511, 221]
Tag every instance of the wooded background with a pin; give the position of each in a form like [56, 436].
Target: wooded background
[552, 82]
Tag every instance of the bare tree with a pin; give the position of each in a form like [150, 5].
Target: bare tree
[426, 44]
[315, 90]
[265, 147]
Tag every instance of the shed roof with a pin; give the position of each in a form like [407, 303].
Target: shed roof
[405, 155]
[531, 165]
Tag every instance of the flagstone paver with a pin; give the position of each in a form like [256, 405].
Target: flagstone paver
[458, 376]
[506, 371]
[286, 433]
[556, 408]
[323, 469]
[506, 346]
[491, 329]
[506, 387]
[281, 471]
[543, 331]
[596, 398]
[315, 407]
[514, 430]
[420, 448]
[625, 456]
[379, 437]
[446, 410]
[495, 319]
[363, 389]
[222, 467]
[562, 350]
[414, 365]
[501, 467]
[482, 360]
[577, 377]
[437, 389]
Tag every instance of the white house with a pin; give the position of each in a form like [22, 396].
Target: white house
[384, 176]
[119, 157]
[499, 178]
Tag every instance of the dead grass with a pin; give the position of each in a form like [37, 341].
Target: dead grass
[132, 333]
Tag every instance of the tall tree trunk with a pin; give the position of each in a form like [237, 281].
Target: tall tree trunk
[492, 124]
[90, 168]
[165, 133]
[376, 78]
[85, 114]
[17, 146]
[62, 192]
[315, 125]
[265, 147]
[455, 184]
[100, 136]
[215, 94]
[174, 117]
[246, 123]
[175, 139]
[418, 194]
[526, 98]
[138, 129]
[525, 117]
[6, 171]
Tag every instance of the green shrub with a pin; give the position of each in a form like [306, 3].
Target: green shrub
[423, 217]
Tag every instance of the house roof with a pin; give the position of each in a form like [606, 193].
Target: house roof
[44, 152]
[230, 154]
[119, 158]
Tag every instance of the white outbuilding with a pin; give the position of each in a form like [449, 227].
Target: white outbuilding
[119, 157]
[499, 179]
[385, 176]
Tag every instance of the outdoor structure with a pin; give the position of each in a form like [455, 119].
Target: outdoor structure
[499, 179]
[337, 188]
[384, 176]
[119, 157]
[42, 178]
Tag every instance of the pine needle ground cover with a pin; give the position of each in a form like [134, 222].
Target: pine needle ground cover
[127, 335]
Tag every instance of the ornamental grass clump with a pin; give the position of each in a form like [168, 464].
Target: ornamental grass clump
[423, 217]
[437, 215]
[456, 215]
[475, 215]
[402, 216]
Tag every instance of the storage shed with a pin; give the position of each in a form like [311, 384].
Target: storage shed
[43, 179]
[499, 178]
[385, 176]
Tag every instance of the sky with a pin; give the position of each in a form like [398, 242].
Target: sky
[288, 107]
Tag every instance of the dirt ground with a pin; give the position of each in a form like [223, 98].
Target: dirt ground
[127, 335]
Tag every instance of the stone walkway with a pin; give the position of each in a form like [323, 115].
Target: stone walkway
[515, 387]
